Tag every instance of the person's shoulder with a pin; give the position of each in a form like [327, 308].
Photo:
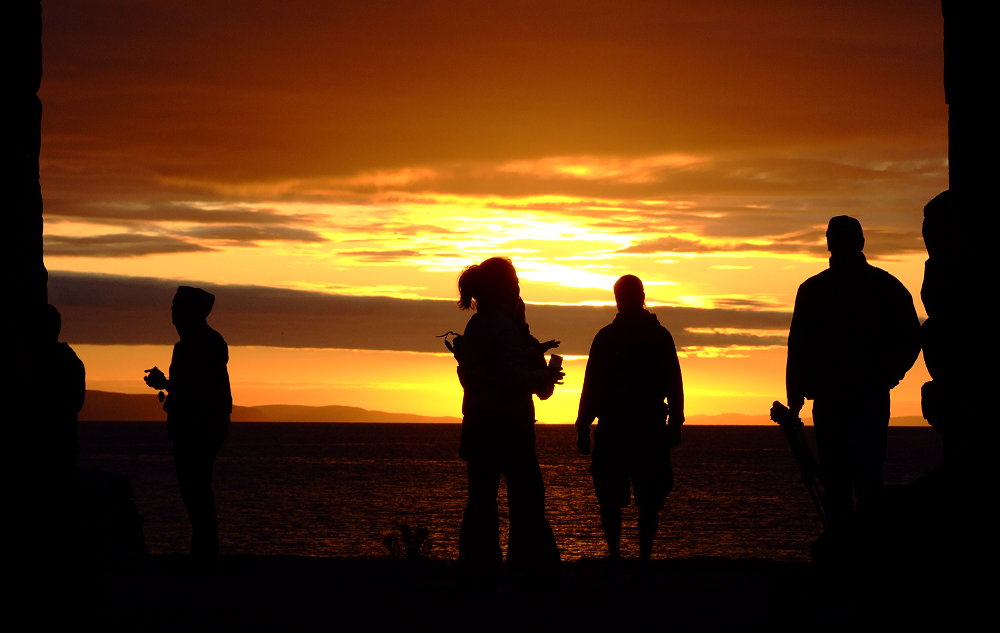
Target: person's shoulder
[215, 336]
[822, 277]
[886, 280]
[608, 330]
[480, 321]
[652, 322]
[605, 338]
[64, 348]
[64, 352]
[660, 331]
[491, 324]
[882, 274]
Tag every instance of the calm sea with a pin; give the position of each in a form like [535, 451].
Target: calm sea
[337, 489]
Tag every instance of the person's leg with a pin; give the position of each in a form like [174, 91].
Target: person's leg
[195, 459]
[194, 478]
[867, 445]
[479, 537]
[611, 522]
[652, 476]
[531, 545]
[612, 488]
[649, 519]
[832, 444]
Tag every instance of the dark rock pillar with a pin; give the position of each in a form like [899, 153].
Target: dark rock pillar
[946, 525]
[959, 235]
[970, 52]
[24, 272]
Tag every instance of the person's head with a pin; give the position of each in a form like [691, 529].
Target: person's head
[50, 323]
[629, 294]
[844, 235]
[191, 306]
[491, 284]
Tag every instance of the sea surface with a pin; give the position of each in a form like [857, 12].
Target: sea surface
[338, 489]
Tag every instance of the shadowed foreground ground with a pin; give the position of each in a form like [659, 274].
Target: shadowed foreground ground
[255, 593]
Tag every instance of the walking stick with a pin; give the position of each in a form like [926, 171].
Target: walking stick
[792, 426]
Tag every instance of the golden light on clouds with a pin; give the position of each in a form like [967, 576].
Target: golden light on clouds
[373, 150]
[633, 170]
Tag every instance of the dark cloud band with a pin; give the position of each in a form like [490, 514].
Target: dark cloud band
[108, 309]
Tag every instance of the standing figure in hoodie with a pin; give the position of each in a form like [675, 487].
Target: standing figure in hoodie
[632, 368]
[198, 405]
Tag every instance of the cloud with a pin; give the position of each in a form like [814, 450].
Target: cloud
[400, 228]
[766, 175]
[754, 304]
[347, 88]
[110, 309]
[721, 120]
[253, 234]
[673, 244]
[117, 245]
[879, 243]
[411, 133]
[382, 256]
[172, 212]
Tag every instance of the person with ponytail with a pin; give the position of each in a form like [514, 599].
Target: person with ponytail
[500, 370]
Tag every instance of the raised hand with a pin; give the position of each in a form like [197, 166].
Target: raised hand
[155, 378]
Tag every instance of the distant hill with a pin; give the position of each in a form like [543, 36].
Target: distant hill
[331, 413]
[131, 407]
[729, 418]
[764, 419]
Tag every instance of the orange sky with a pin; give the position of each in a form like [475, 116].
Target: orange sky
[328, 169]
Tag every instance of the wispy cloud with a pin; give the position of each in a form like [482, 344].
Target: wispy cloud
[244, 234]
[381, 256]
[118, 245]
[138, 211]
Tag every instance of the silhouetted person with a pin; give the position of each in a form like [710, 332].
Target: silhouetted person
[853, 337]
[55, 386]
[198, 406]
[632, 368]
[63, 384]
[500, 367]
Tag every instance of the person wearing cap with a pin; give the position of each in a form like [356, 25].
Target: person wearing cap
[632, 368]
[198, 405]
[854, 335]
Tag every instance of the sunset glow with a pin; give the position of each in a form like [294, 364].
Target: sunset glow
[365, 150]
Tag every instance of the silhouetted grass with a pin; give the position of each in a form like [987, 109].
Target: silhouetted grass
[408, 543]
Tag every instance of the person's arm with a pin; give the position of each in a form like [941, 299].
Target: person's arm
[79, 382]
[495, 356]
[674, 388]
[156, 379]
[795, 365]
[905, 327]
[206, 375]
[555, 374]
[587, 411]
[522, 367]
